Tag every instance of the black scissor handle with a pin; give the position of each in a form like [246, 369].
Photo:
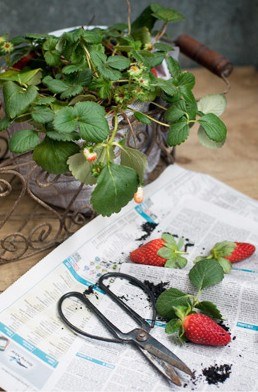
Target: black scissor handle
[82, 297]
[142, 323]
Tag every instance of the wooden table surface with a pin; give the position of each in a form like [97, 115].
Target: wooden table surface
[236, 163]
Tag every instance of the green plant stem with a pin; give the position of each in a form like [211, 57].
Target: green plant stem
[129, 16]
[111, 140]
[158, 105]
[151, 118]
[161, 32]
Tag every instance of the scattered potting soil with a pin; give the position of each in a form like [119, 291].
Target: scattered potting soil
[156, 289]
[147, 228]
[217, 373]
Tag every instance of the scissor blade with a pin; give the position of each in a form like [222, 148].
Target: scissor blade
[166, 355]
[164, 368]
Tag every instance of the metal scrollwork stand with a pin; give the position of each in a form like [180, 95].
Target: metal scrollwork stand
[25, 233]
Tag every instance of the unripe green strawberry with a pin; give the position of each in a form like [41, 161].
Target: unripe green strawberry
[201, 329]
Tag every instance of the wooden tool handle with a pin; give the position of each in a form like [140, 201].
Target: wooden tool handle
[208, 58]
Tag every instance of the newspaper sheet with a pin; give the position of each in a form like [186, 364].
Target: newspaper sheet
[38, 353]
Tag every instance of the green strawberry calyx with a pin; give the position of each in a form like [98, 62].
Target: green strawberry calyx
[219, 253]
[172, 251]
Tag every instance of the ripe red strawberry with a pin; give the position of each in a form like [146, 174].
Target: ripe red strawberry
[227, 252]
[24, 61]
[201, 329]
[242, 251]
[148, 253]
[164, 251]
[154, 72]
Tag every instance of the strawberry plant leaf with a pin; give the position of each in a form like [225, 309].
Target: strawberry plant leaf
[63, 136]
[173, 67]
[118, 62]
[164, 252]
[91, 120]
[52, 155]
[176, 111]
[135, 159]
[81, 169]
[31, 77]
[213, 103]
[225, 264]
[42, 114]
[206, 273]
[178, 133]
[185, 80]
[210, 309]
[4, 124]
[17, 98]
[165, 85]
[176, 262]
[223, 249]
[23, 141]
[206, 141]
[142, 118]
[146, 18]
[173, 326]
[166, 14]
[88, 117]
[168, 238]
[169, 299]
[214, 128]
[116, 186]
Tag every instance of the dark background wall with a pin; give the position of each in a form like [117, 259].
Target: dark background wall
[228, 26]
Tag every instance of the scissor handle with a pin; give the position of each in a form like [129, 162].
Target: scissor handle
[82, 297]
[142, 323]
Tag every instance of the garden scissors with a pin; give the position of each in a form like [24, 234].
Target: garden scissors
[160, 356]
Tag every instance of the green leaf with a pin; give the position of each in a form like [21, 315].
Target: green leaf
[88, 117]
[176, 262]
[210, 309]
[225, 264]
[173, 67]
[165, 85]
[63, 136]
[143, 35]
[223, 249]
[164, 252]
[176, 111]
[109, 73]
[4, 124]
[118, 62]
[17, 99]
[42, 114]
[206, 273]
[206, 142]
[145, 19]
[168, 238]
[186, 80]
[93, 36]
[116, 186]
[213, 103]
[52, 58]
[162, 47]
[173, 326]
[65, 120]
[166, 14]
[135, 159]
[81, 169]
[52, 155]
[142, 118]
[71, 91]
[92, 122]
[171, 298]
[31, 77]
[23, 141]
[56, 86]
[178, 133]
[214, 128]
[44, 100]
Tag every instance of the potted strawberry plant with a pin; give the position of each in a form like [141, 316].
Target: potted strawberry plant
[74, 91]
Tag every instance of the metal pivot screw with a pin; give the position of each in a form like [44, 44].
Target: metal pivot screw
[142, 336]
